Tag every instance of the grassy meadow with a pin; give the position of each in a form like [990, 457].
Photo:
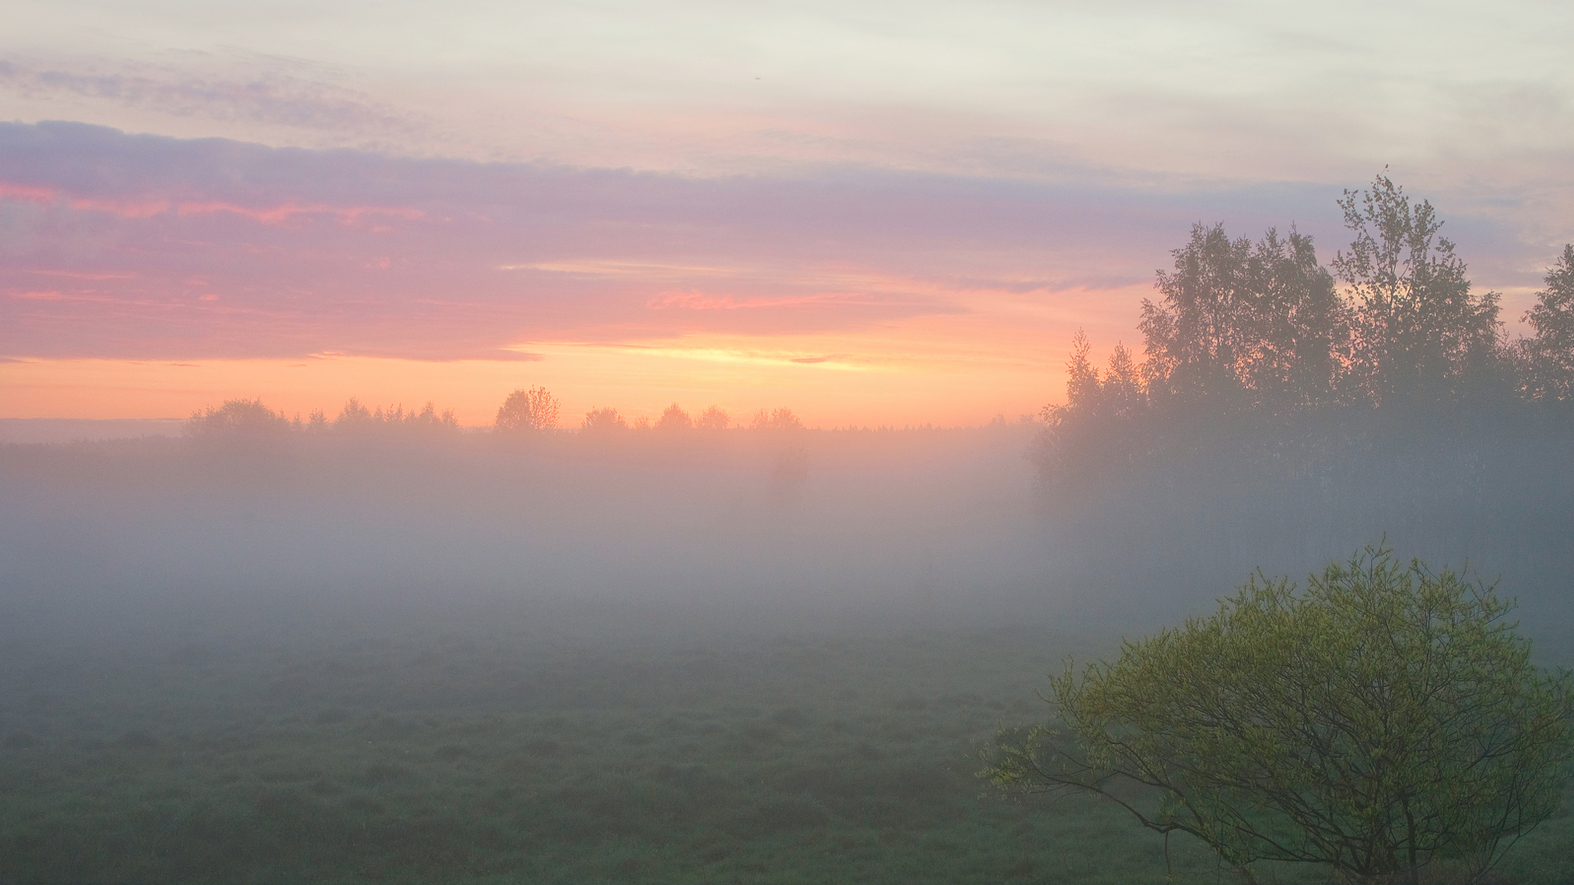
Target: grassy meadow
[502, 751]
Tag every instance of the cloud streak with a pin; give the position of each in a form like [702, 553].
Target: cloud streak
[149, 247]
[274, 98]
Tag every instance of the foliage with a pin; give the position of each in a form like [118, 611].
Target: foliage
[237, 417]
[357, 418]
[533, 409]
[776, 420]
[1383, 720]
[1421, 334]
[674, 419]
[1244, 325]
[1550, 369]
[603, 420]
[713, 418]
[1098, 415]
[1254, 356]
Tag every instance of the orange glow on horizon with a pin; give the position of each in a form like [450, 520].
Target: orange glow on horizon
[1005, 356]
[638, 380]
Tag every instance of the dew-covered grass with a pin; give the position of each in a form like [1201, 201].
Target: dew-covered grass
[503, 752]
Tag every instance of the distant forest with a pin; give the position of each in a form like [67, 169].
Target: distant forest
[523, 412]
[1279, 416]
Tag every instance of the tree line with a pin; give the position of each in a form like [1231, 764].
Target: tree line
[1262, 333]
[525, 411]
[536, 409]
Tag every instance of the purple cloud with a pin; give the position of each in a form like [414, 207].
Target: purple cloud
[151, 247]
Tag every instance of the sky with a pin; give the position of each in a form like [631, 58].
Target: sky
[870, 213]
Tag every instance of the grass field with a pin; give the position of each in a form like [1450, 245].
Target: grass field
[500, 751]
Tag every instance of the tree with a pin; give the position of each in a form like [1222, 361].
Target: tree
[1196, 331]
[1421, 336]
[238, 418]
[1244, 325]
[356, 418]
[603, 420]
[674, 420]
[778, 420]
[1095, 425]
[533, 409]
[713, 418]
[1382, 720]
[1294, 355]
[1551, 352]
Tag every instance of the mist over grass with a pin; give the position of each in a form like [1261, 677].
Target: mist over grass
[742, 655]
[634, 529]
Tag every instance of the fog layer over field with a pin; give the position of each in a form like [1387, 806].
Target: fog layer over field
[178, 534]
[159, 538]
[412, 653]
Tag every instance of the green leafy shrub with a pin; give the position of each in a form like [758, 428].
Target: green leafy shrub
[1385, 721]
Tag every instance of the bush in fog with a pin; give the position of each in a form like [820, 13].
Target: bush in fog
[533, 409]
[603, 420]
[237, 418]
[713, 418]
[249, 421]
[776, 421]
[1383, 720]
[674, 419]
[356, 418]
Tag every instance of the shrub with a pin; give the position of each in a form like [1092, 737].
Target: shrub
[1382, 720]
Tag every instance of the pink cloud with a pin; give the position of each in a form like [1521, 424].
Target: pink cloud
[151, 206]
[124, 209]
[171, 249]
[282, 214]
[27, 193]
[701, 301]
[77, 275]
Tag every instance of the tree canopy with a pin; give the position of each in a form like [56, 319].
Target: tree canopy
[1261, 338]
[1384, 719]
[526, 410]
[1421, 332]
[1549, 368]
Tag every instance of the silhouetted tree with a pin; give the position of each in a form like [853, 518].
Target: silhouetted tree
[1293, 355]
[674, 420]
[1195, 333]
[776, 420]
[533, 409]
[356, 418]
[1094, 425]
[1122, 392]
[713, 418]
[353, 417]
[603, 420]
[1421, 336]
[1550, 355]
[1083, 389]
[1244, 326]
[238, 418]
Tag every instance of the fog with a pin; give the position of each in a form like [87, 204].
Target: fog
[161, 539]
[408, 652]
